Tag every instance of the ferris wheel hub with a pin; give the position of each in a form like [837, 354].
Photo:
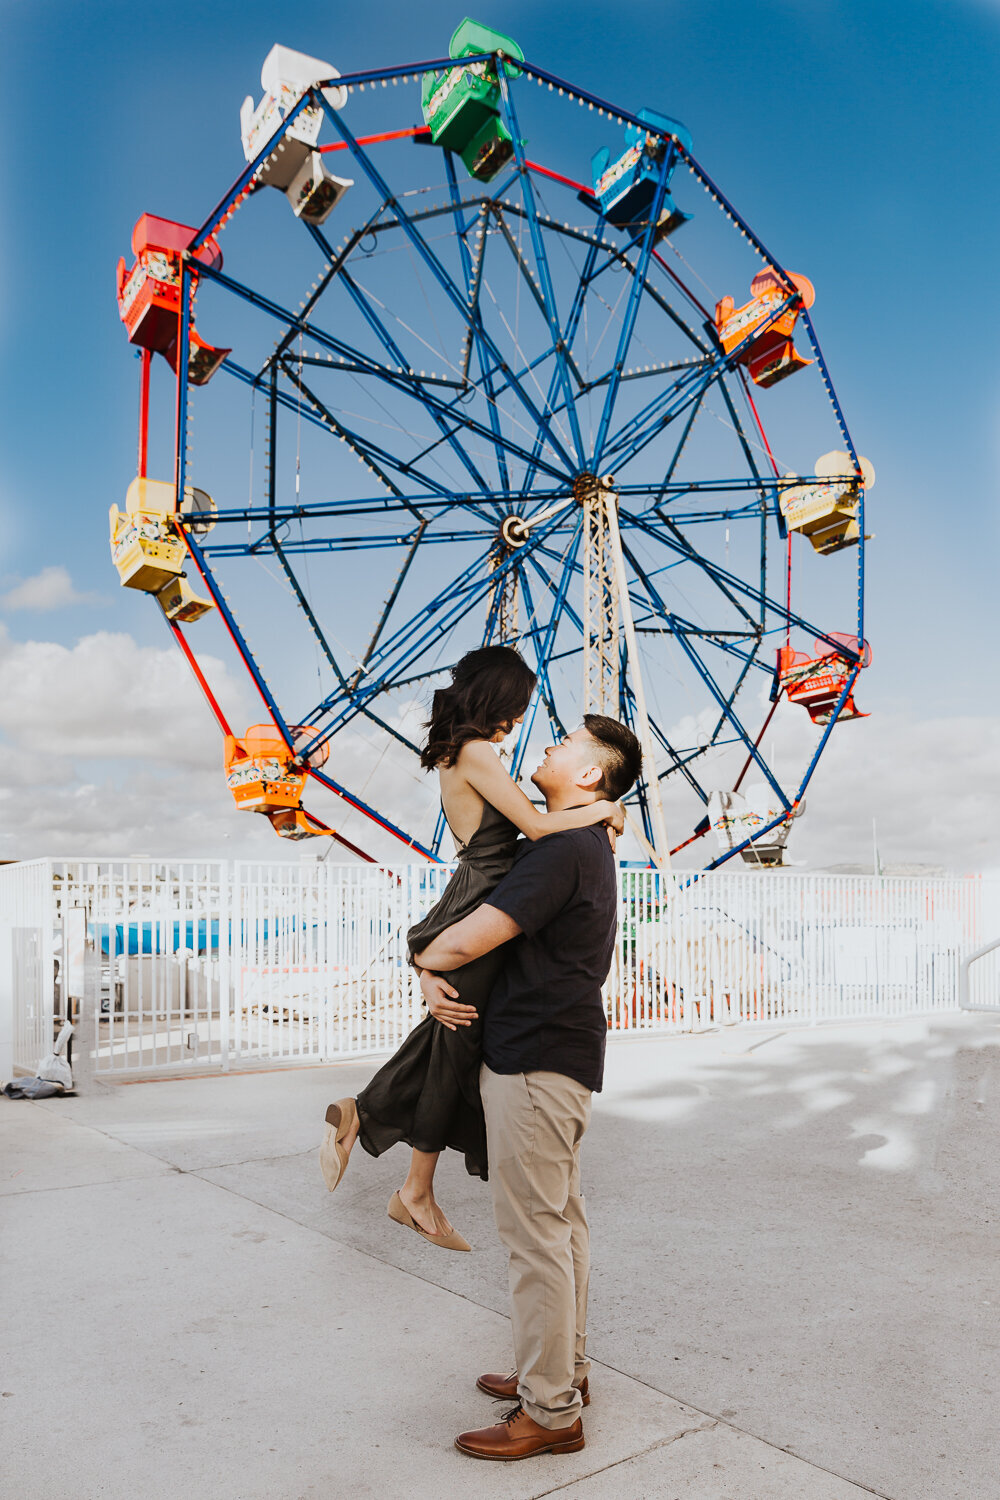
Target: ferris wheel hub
[590, 486]
[513, 531]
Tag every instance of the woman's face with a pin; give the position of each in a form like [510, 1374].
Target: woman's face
[506, 729]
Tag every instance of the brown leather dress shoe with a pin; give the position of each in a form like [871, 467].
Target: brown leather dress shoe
[517, 1436]
[504, 1387]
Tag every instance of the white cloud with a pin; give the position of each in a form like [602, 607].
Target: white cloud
[108, 697]
[52, 588]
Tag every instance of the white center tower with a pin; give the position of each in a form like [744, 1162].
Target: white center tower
[607, 617]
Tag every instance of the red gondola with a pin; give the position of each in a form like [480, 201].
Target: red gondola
[149, 295]
[818, 681]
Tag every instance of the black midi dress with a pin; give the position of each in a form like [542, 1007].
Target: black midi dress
[427, 1094]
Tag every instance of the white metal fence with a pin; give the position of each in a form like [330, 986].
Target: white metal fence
[190, 965]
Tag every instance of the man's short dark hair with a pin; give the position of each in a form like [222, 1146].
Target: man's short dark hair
[619, 754]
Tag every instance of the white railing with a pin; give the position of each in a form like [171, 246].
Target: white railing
[980, 990]
[781, 947]
[211, 964]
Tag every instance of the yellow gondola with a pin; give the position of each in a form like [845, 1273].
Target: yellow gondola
[827, 511]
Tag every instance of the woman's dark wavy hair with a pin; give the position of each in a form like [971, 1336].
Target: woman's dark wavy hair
[489, 689]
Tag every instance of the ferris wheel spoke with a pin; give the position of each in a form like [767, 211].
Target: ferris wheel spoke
[764, 601]
[694, 556]
[535, 634]
[487, 208]
[686, 431]
[439, 271]
[726, 704]
[680, 763]
[465, 422]
[748, 453]
[547, 641]
[335, 260]
[473, 269]
[727, 582]
[539, 299]
[542, 266]
[576, 567]
[378, 459]
[645, 426]
[682, 629]
[317, 418]
[568, 357]
[751, 461]
[307, 610]
[392, 348]
[401, 651]
[295, 323]
[646, 372]
[436, 409]
[616, 256]
[412, 637]
[632, 306]
[374, 456]
[724, 700]
[620, 257]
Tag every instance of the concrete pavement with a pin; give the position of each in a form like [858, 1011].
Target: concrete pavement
[794, 1294]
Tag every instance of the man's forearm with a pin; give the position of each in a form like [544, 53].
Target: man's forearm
[441, 954]
[480, 932]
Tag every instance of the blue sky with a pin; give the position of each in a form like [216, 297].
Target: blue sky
[858, 139]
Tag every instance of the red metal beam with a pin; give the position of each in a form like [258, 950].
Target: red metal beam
[387, 135]
[147, 357]
[200, 676]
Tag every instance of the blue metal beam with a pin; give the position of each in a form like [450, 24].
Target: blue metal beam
[632, 306]
[439, 272]
[542, 266]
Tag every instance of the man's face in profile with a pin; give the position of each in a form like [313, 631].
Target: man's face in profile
[568, 764]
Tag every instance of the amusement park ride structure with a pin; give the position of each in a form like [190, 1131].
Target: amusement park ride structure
[561, 478]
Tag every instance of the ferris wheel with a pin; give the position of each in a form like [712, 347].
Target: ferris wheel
[516, 373]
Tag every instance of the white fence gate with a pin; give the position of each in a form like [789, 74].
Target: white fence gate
[194, 965]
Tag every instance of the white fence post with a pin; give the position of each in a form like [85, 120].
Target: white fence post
[6, 1003]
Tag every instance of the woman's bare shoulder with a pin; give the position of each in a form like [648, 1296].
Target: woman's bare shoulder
[475, 753]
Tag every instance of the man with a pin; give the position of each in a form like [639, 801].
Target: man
[544, 1034]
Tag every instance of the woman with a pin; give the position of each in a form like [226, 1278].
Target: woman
[428, 1093]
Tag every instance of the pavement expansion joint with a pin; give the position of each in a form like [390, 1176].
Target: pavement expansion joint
[74, 1187]
[248, 1161]
[629, 1458]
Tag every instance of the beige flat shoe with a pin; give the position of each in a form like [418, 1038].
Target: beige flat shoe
[333, 1157]
[400, 1214]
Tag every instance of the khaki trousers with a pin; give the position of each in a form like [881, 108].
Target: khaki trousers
[535, 1123]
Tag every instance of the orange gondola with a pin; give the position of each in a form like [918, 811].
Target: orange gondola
[772, 355]
[265, 776]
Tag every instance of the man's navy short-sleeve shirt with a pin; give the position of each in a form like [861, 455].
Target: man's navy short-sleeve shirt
[545, 1010]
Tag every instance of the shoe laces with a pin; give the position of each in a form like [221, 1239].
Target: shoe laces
[512, 1415]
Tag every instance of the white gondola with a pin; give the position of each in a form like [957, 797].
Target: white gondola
[296, 168]
[735, 817]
